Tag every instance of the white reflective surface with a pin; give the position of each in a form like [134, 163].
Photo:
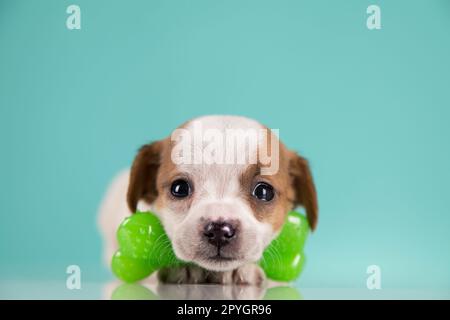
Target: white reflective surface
[22, 289]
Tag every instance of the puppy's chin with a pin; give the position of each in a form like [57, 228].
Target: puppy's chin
[227, 261]
[207, 260]
[219, 264]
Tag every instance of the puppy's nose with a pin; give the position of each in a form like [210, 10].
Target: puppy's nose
[219, 233]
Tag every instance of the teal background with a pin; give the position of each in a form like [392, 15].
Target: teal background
[369, 109]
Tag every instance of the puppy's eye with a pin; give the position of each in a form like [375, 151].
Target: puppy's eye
[180, 188]
[263, 192]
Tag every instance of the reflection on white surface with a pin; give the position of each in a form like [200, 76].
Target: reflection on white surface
[136, 291]
[23, 289]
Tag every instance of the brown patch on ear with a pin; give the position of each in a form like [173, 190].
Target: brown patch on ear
[304, 189]
[143, 174]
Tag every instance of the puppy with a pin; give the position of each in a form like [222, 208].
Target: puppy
[218, 214]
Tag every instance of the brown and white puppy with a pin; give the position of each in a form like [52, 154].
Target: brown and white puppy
[221, 216]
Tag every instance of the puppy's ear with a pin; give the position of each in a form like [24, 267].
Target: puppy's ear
[143, 175]
[304, 189]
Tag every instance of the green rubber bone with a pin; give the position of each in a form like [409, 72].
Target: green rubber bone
[144, 248]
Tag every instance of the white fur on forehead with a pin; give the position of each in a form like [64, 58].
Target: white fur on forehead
[223, 122]
[221, 180]
[234, 126]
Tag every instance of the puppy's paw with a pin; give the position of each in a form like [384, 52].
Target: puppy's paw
[250, 274]
[182, 275]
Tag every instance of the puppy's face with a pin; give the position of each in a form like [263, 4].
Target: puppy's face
[221, 215]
